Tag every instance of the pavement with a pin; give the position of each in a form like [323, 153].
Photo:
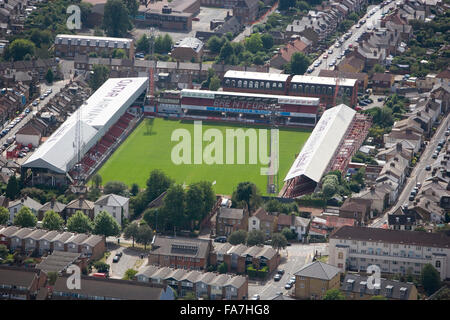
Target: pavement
[372, 21]
[128, 260]
[292, 259]
[419, 174]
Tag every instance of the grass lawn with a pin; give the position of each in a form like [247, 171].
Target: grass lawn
[149, 147]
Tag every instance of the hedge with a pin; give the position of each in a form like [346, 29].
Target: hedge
[261, 273]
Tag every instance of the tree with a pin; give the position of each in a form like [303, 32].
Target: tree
[329, 186]
[25, 218]
[21, 47]
[3, 251]
[430, 279]
[237, 237]
[254, 43]
[299, 63]
[131, 231]
[132, 6]
[248, 193]
[52, 221]
[130, 274]
[163, 44]
[99, 75]
[49, 76]
[52, 276]
[157, 183]
[97, 181]
[79, 223]
[267, 41]
[101, 266]
[174, 207]
[134, 190]
[286, 4]
[116, 19]
[4, 215]
[353, 16]
[334, 294]
[106, 225]
[115, 187]
[222, 268]
[255, 238]
[194, 203]
[119, 54]
[12, 188]
[226, 52]
[278, 241]
[214, 84]
[143, 44]
[214, 44]
[145, 235]
[287, 233]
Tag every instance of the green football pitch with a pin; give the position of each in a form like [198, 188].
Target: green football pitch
[150, 147]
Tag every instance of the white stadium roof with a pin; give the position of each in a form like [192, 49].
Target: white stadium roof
[58, 152]
[93, 41]
[281, 99]
[322, 144]
[256, 75]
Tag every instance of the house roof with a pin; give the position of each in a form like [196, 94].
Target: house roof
[112, 288]
[111, 200]
[56, 206]
[27, 202]
[23, 277]
[80, 203]
[77, 238]
[385, 77]
[92, 240]
[388, 288]
[284, 219]
[353, 61]
[9, 231]
[230, 213]
[318, 270]
[36, 234]
[58, 261]
[439, 240]
[262, 215]
[22, 233]
[180, 246]
[360, 76]
[445, 74]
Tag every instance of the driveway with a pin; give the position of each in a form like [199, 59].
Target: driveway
[127, 261]
[292, 259]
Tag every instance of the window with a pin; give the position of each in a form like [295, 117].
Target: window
[250, 84]
[340, 255]
[268, 85]
[438, 264]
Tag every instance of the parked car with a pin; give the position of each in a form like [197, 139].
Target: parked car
[28, 110]
[330, 51]
[256, 297]
[221, 239]
[428, 168]
[380, 99]
[196, 19]
[325, 56]
[116, 258]
[281, 271]
[288, 286]
[435, 155]
[277, 277]
[42, 97]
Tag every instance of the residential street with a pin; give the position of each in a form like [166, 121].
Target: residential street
[419, 173]
[372, 21]
[292, 259]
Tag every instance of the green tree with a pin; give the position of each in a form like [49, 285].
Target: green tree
[97, 181]
[214, 84]
[430, 279]
[194, 203]
[254, 43]
[143, 44]
[49, 76]
[222, 268]
[105, 224]
[248, 193]
[334, 294]
[4, 215]
[288, 233]
[25, 218]
[132, 6]
[100, 73]
[353, 16]
[299, 63]
[52, 221]
[226, 52]
[286, 4]
[131, 232]
[174, 207]
[157, 183]
[52, 276]
[145, 235]
[115, 187]
[119, 54]
[130, 274]
[237, 237]
[3, 251]
[19, 48]
[255, 238]
[278, 241]
[273, 206]
[267, 41]
[101, 266]
[214, 44]
[116, 20]
[134, 190]
[79, 223]
[12, 188]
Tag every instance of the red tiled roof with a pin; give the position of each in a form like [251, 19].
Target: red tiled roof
[291, 48]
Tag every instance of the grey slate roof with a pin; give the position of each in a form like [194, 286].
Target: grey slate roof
[230, 213]
[318, 270]
[111, 200]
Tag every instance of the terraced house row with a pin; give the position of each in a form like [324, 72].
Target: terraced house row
[210, 285]
[42, 241]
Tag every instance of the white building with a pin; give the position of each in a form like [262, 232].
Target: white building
[15, 206]
[394, 251]
[115, 205]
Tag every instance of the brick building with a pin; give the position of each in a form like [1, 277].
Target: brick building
[229, 220]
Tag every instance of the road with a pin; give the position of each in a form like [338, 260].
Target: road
[372, 21]
[419, 174]
[292, 259]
